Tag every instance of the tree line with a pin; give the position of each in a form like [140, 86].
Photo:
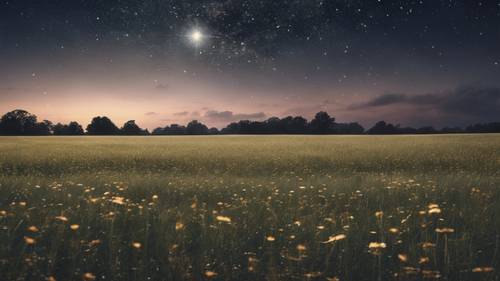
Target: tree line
[21, 122]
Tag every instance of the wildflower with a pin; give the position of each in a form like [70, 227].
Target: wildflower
[88, 276]
[433, 206]
[29, 240]
[423, 260]
[377, 245]
[118, 200]
[411, 270]
[33, 228]
[94, 242]
[223, 219]
[445, 230]
[431, 274]
[312, 274]
[173, 247]
[393, 230]
[179, 225]
[403, 257]
[61, 218]
[301, 248]
[334, 238]
[109, 215]
[270, 238]
[74, 227]
[252, 260]
[210, 273]
[427, 245]
[434, 211]
[482, 269]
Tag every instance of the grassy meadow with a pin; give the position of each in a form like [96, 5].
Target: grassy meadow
[250, 208]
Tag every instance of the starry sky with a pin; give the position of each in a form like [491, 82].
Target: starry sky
[419, 62]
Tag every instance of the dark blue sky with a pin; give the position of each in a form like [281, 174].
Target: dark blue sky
[259, 58]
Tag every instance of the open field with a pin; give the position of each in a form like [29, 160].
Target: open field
[250, 208]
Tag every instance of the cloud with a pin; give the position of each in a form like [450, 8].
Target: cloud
[229, 116]
[391, 99]
[386, 99]
[474, 101]
[151, 113]
[182, 113]
[481, 103]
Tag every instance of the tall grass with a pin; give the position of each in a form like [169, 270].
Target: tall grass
[250, 208]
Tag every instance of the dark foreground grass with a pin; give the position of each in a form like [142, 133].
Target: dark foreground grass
[250, 208]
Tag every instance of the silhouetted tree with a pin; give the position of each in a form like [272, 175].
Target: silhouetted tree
[176, 129]
[43, 128]
[322, 123]
[21, 122]
[273, 125]
[173, 129]
[102, 126]
[382, 128]
[348, 128]
[405, 130]
[131, 128]
[196, 128]
[426, 130]
[17, 122]
[296, 125]
[72, 129]
[484, 128]
[60, 129]
[452, 130]
[158, 131]
[213, 131]
[232, 128]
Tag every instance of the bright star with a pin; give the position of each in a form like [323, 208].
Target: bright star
[196, 36]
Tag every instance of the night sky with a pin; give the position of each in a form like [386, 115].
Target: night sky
[428, 62]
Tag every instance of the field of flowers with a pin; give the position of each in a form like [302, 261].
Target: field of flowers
[250, 208]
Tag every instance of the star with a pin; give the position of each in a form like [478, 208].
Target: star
[196, 37]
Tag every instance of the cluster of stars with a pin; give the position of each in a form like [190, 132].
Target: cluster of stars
[333, 37]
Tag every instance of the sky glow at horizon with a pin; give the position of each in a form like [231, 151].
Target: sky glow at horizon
[411, 62]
